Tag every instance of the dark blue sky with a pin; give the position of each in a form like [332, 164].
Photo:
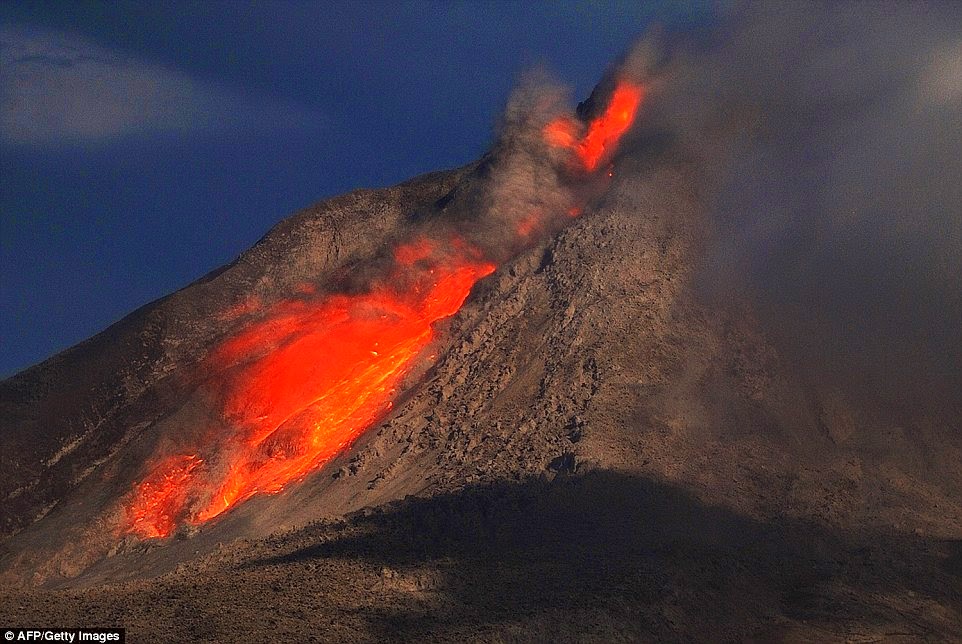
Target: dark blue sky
[144, 144]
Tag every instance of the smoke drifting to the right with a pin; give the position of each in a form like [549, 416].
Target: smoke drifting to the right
[829, 142]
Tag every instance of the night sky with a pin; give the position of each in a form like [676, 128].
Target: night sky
[144, 144]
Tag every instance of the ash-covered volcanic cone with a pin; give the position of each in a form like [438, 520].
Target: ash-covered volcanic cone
[603, 384]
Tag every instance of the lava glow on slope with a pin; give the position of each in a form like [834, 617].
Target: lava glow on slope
[303, 382]
[603, 134]
[299, 385]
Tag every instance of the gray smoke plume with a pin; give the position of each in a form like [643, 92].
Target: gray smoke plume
[521, 184]
[829, 139]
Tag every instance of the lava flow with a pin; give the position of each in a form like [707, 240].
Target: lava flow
[302, 383]
[604, 133]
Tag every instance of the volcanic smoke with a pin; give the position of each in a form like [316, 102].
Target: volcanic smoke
[301, 384]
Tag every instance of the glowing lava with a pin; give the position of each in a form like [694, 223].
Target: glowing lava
[603, 134]
[301, 383]
[159, 499]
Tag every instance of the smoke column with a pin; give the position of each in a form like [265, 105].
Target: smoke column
[828, 139]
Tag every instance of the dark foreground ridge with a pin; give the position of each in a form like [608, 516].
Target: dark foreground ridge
[600, 556]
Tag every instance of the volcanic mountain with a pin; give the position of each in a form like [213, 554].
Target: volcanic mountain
[489, 403]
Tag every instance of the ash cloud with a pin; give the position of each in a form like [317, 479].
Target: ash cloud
[521, 184]
[526, 174]
[829, 139]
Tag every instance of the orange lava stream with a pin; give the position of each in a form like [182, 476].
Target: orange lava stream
[604, 133]
[303, 382]
[299, 386]
[589, 145]
[159, 498]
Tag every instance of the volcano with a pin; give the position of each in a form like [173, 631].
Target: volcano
[490, 403]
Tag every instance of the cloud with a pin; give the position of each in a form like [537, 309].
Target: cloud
[60, 89]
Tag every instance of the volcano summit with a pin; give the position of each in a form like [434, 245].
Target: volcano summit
[590, 387]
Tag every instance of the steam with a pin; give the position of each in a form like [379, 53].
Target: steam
[829, 140]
